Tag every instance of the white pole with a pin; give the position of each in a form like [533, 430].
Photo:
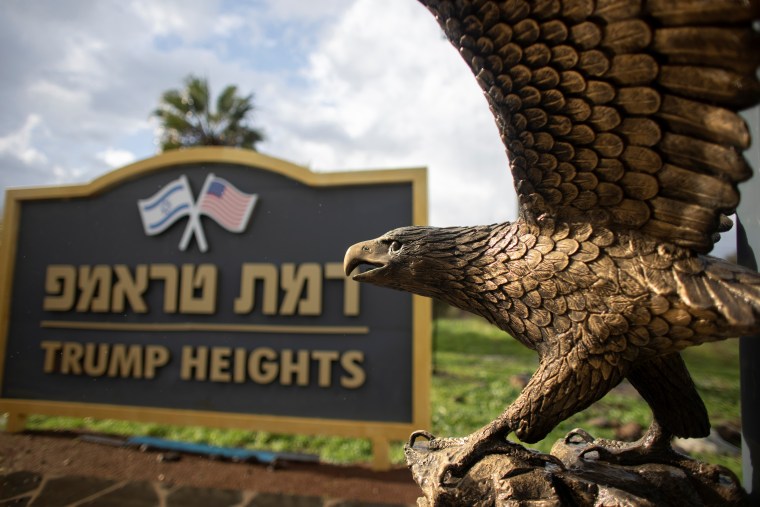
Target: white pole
[194, 223]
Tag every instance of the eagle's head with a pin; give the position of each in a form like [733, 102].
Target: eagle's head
[428, 261]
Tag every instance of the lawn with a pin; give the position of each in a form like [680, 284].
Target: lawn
[477, 371]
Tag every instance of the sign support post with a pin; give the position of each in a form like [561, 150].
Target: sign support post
[15, 422]
[381, 459]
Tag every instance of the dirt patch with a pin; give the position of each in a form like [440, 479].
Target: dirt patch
[64, 455]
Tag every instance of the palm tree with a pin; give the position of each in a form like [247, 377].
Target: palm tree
[187, 118]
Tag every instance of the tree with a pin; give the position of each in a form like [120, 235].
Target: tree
[187, 118]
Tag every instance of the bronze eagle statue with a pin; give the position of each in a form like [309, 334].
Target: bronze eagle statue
[620, 123]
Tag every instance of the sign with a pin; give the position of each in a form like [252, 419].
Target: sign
[205, 286]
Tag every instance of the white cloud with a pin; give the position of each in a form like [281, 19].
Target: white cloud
[54, 95]
[18, 144]
[305, 9]
[226, 23]
[67, 174]
[82, 59]
[114, 157]
[188, 19]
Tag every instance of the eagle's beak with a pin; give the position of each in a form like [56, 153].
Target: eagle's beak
[371, 252]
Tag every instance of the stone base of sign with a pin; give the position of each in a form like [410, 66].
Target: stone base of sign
[515, 476]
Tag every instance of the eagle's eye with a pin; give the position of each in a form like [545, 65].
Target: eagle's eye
[394, 248]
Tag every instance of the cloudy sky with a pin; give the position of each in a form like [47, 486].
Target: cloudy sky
[338, 85]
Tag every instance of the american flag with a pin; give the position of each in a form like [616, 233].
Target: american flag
[225, 204]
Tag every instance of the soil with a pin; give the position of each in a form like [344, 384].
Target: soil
[54, 454]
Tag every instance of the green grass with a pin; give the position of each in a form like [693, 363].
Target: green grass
[330, 449]
[474, 364]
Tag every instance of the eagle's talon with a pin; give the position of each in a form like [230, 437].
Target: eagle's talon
[550, 458]
[420, 433]
[631, 454]
[451, 474]
[603, 454]
[463, 453]
[585, 437]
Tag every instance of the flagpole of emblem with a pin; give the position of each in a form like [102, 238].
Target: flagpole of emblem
[194, 223]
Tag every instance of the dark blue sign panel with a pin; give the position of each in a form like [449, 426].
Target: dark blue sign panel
[211, 280]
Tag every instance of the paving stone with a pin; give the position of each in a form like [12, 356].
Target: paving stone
[278, 500]
[18, 483]
[203, 497]
[133, 494]
[66, 490]
[19, 488]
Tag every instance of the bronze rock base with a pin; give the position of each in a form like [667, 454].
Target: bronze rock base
[514, 476]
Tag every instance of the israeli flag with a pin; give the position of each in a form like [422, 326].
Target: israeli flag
[172, 202]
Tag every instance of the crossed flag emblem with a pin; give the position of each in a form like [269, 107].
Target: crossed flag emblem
[218, 200]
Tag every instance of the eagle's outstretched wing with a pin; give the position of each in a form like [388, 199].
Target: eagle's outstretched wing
[621, 112]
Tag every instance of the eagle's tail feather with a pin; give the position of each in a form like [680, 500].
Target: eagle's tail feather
[734, 292]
